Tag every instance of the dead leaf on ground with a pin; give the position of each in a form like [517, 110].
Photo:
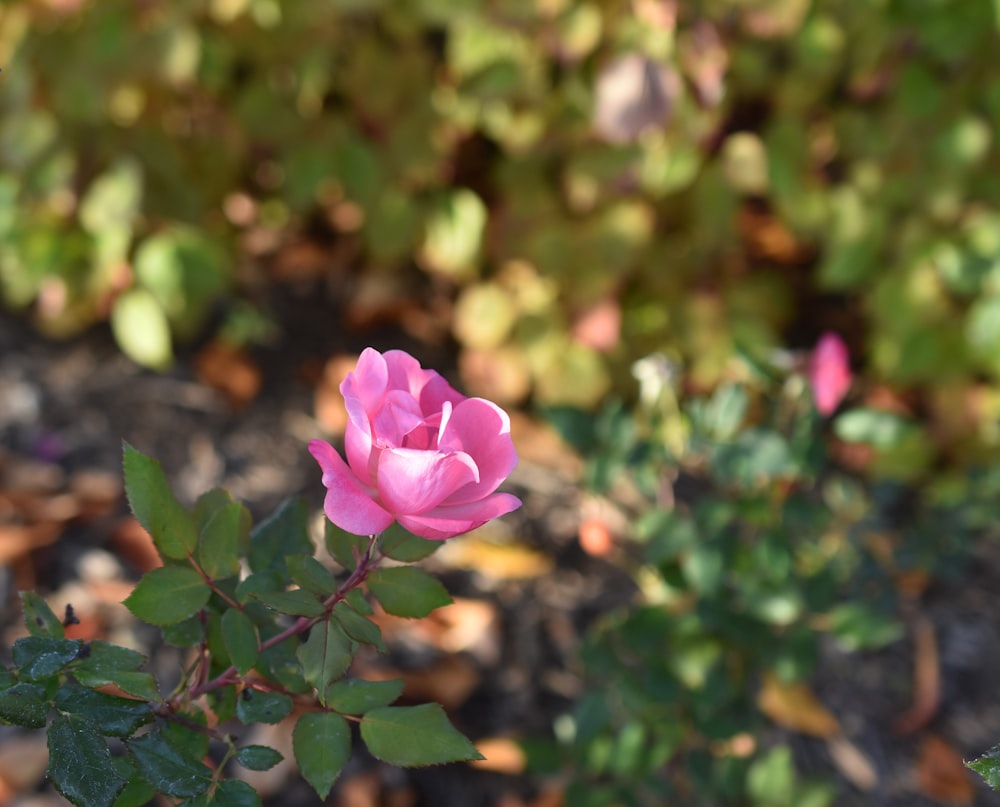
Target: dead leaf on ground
[361, 790]
[465, 626]
[328, 403]
[853, 763]
[17, 540]
[230, 371]
[926, 679]
[550, 797]
[497, 561]
[449, 681]
[133, 544]
[595, 538]
[794, 706]
[502, 755]
[942, 775]
[97, 492]
[22, 764]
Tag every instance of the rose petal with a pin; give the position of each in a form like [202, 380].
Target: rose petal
[482, 430]
[400, 414]
[405, 372]
[444, 522]
[361, 453]
[414, 481]
[366, 385]
[347, 503]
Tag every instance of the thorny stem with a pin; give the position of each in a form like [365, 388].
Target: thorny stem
[366, 564]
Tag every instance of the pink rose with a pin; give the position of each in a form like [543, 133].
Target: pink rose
[829, 372]
[418, 452]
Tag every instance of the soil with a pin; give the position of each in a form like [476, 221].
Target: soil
[65, 407]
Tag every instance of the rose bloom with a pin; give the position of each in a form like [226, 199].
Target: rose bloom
[829, 373]
[418, 452]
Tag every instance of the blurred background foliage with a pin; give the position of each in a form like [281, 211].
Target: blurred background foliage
[657, 201]
[590, 182]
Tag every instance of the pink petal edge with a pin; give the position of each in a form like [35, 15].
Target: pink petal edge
[347, 503]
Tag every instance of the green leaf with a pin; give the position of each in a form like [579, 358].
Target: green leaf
[184, 273]
[322, 745]
[141, 329]
[407, 591]
[106, 663]
[357, 627]
[344, 547]
[168, 595]
[234, 793]
[311, 575]
[281, 664]
[254, 706]
[259, 583]
[218, 544]
[988, 766]
[137, 792]
[399, 544]
[411, 736]
[80, 763]
[166, 768]
[325, 655]
[258, 757]
[240, 637]
[208, 504]
[186, 633]
[155, 507]
[454, 234]
[38, 657]
[24, 705]
[112, 200]
[184, 736]
[113, 716]
[297, 602]
[39, 618]
[858, 626]
[355, 696]
[873, 427]
[771, 779]
[284, 532]
[358, 600]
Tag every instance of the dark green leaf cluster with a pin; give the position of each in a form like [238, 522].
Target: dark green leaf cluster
[749, 550]
[273, 631]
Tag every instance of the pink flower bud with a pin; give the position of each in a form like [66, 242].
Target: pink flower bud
[418, 452]
[829, 372]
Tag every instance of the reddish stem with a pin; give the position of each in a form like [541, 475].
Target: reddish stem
[366, 564]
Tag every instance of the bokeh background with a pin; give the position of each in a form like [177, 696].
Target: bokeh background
[628, 222]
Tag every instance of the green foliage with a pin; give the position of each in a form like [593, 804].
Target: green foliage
[407, 591]
[596, 185]
[766, 550]
[39, 618]
[988, 766]
[169, 595]
[155, 506]
[262, 643]
[322, 744]
[258, 757]
[412, 736]
[80, 763]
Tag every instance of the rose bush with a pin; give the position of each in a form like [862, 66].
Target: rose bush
[418, 452]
